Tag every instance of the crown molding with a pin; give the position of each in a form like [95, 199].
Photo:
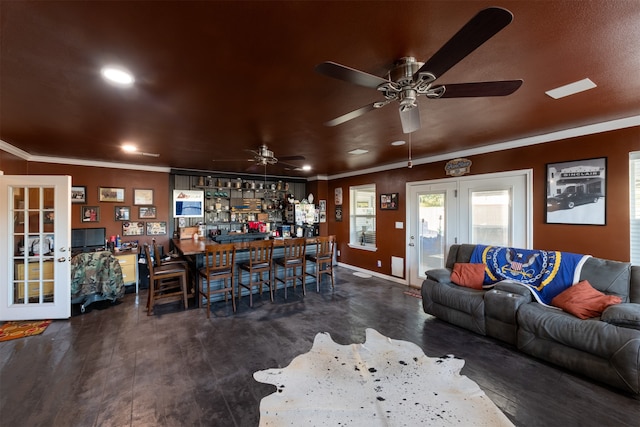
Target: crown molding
[517, 143]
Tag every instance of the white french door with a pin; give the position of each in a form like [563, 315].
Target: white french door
[35, 232]
[493, 209]
[432, 227]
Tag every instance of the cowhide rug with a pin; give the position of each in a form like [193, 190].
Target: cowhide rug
[382, 382]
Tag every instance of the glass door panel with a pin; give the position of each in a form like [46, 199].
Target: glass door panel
[33, 250]
[491, 217]
[35, 282]
[432, 219]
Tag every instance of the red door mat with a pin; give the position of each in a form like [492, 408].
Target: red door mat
[19, 329]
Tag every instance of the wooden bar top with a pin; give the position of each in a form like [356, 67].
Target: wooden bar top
[197, 247]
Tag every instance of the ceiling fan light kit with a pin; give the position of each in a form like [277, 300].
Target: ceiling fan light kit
[409, 78]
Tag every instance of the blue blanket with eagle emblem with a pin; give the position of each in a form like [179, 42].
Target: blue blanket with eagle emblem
[545, 273]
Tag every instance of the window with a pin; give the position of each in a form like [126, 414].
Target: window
[634, 203]
[363, 216]
[490, 217]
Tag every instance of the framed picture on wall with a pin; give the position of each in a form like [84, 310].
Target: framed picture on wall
[156, 228]
[147, 212]
[78, 194]
[142, 196]
[133, 228]
[576, 192]
[389, 201]
[122, 213]
[90, 214]
[111, 194]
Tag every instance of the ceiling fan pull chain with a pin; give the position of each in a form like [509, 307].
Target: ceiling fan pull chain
[409, 164]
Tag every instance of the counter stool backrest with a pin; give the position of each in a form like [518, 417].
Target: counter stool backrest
[260, 253]
[219, 266]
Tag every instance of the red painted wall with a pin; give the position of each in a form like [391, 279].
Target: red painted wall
[610, 241]
[94, 177]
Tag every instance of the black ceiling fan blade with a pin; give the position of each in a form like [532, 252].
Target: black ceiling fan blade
[410, 119]
[479, 29]
[470, 90]
[349, 116]
[350, 75]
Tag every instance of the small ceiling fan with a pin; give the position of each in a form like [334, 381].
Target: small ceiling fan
[409, 78]
[264, 157]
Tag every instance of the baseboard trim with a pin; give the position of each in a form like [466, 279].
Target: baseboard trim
[374, 273]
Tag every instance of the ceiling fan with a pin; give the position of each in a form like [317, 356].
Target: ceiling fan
[264, 157]
[409, 78]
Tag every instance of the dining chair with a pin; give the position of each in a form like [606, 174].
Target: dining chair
[322, 259]
[158, 250]
[293, 259]
[259, 264]
[220, 266]
[166, 283]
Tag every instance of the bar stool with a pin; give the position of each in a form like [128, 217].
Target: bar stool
[322, 259]
[220, 265]
[180, 261]
[165, 283]
[259, 262]
[294, 258]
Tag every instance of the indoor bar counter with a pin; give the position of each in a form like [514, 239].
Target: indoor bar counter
[194, 250]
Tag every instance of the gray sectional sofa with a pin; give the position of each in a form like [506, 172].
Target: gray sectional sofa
[605, 348]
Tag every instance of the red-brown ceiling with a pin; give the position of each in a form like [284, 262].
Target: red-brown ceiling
[217, 78]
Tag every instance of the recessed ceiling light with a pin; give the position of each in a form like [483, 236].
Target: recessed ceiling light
[129, 148]
[117, 75]
[398, 143]
[306, 167]
[571, 88]
[358, 151]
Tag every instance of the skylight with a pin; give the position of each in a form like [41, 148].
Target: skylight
[571, 88]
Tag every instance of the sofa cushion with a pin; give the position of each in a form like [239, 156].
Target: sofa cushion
[468, 275]
[593, 336]
[462, 299]
[583, 301]
[610, 277]
[459, 253]
[626, 315]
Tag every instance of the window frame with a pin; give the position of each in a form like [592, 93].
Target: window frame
[634, 207]
[355, 239]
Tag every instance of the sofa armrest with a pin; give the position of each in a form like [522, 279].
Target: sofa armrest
[440, 275]
[626, 315]
[514, 288]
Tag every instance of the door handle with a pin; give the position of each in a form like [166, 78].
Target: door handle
[411, 244]
[62, 259]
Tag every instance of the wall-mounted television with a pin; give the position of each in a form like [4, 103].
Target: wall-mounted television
[88, 239]
[188, 204]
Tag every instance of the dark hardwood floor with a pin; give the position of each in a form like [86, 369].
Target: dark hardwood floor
[118, 367]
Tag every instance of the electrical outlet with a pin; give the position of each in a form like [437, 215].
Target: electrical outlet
[379, 263]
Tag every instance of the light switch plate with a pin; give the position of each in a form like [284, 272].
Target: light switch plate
[399, 224]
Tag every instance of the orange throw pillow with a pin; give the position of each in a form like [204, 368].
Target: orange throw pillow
[468, 275]
[583, 301]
